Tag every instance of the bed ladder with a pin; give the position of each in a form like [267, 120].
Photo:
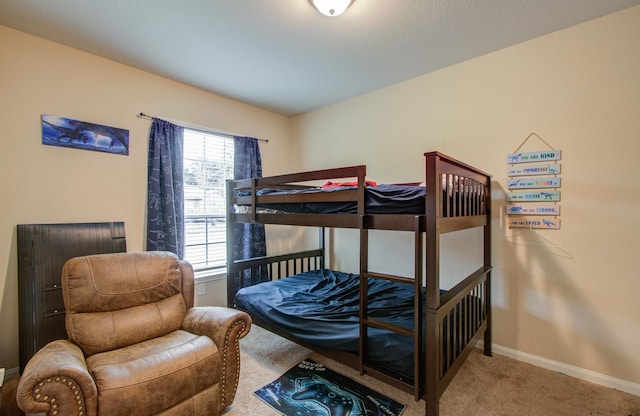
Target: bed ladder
[415, 384]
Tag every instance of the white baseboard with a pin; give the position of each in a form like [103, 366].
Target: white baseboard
[577, 372]
[11, 372]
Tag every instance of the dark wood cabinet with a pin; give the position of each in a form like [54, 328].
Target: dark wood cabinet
[42, 251]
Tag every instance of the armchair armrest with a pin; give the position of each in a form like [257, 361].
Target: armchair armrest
[225, 326]
[56, 381]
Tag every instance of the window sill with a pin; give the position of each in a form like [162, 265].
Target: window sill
[210, 275]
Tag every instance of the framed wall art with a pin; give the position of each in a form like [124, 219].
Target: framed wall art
[66, 132]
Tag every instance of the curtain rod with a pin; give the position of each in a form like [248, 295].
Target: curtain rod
[202, 129]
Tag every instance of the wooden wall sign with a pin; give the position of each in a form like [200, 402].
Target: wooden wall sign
[533, 183]
[532, 170]
[547, 223]
[535, 188]
[534, 196]
[533, 209]
[544, 155]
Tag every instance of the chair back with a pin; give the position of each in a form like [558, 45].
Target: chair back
[117, 300]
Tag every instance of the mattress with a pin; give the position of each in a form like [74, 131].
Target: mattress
[380, 199]
[321, 307]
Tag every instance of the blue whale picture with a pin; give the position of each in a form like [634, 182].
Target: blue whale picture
[65, 132]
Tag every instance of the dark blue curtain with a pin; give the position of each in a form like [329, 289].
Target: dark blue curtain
[249, 239]
[165, 192]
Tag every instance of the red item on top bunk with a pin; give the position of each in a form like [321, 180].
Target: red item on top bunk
[329, 184]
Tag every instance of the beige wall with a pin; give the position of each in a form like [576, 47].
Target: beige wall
[45, 184]
[571, 295]
[568, 295]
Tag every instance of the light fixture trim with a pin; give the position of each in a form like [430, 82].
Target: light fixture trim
[331, 8]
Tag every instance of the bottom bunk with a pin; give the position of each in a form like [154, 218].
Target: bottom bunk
[319, 309]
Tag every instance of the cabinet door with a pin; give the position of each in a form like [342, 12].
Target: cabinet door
[42, 251]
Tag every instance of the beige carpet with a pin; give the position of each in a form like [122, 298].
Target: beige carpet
[485, 386]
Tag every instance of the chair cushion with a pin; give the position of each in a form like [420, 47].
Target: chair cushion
[152, 376]
[103, 292]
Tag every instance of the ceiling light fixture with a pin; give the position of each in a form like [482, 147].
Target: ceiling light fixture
[331, 8]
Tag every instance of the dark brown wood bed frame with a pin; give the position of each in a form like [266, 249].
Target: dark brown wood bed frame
[457, 198]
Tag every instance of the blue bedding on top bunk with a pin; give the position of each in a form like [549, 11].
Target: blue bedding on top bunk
[321, 307]
[380, 199]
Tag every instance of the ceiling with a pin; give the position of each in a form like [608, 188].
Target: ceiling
[284, 56]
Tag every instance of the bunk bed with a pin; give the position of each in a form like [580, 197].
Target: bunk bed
[370, 317]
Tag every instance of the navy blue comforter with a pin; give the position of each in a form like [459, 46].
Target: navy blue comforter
[321, 307]
[380, 199]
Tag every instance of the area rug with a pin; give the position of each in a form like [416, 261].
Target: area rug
[310, 388]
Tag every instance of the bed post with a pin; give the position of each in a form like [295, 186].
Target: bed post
[432, 246]
[487, 264]
[432, 266]
[418, 300]
[363, 346]
[231, 269]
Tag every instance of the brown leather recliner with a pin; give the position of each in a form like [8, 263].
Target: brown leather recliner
[136, 346]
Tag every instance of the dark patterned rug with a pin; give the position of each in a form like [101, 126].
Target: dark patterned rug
[312, 389]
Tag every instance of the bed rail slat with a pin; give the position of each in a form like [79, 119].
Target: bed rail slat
[392, 278]
[316, 175]
[387, 326]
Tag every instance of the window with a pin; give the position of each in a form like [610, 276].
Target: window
[208, 163]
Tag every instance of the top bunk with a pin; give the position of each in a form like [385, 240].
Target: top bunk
[452, 196]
